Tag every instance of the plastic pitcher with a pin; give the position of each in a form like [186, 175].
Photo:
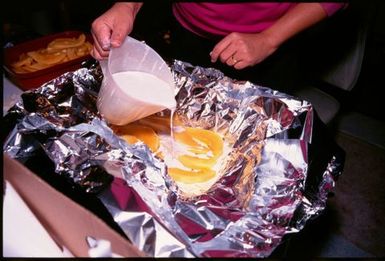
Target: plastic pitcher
[137, 83]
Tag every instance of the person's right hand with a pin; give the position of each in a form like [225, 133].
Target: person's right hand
[110, 29]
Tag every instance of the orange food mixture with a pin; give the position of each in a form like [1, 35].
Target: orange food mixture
[204, 147]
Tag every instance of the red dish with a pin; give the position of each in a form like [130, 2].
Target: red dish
[27, 81]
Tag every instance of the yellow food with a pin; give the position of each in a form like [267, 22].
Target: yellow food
[23, 60]
[62, 43]
[133, 132]
[203, 147]
[210, 138]
[201, 140]
[197, 162]
[190, 177]
[43, 57]
[57, 51]
[194, 156]
[130, 139]
[189, 140]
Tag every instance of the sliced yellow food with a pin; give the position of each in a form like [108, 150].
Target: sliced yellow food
[46, 58]
[201, 141]
[130, 139]
[196, 162]
[24, 60]
[198, 150]
[186, 176]
[186, 138]
[21, 70]
[141, 132]
[71, 53]
[38, 66]
[207, 146]
[210, 138]
[61, 43]
[35, 67]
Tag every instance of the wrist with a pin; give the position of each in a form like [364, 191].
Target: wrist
[272, 38]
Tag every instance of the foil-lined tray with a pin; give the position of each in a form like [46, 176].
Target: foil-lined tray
[258, 199]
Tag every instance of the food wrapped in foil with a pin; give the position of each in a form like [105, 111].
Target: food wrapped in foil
[276, 177]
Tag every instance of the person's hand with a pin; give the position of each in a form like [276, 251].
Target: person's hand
[110, 29]
[242, 50]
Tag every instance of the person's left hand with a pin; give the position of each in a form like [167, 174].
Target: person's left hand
[242, 50]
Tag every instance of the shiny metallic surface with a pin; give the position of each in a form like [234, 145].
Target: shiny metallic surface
[263, 192]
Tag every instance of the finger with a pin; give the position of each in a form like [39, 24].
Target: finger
[99, 51]
[96, 55]
[97, 44]
[227, 55]
[231, 61]
[101, 34]
[218, 49]
[118, 34]
[99, 55]
[240, 65]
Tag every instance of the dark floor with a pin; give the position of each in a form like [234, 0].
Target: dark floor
[353, 224]
[360, 195]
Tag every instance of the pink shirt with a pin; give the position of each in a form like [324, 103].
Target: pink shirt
[218, 19]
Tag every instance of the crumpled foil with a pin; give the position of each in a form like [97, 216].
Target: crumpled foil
[258, 199]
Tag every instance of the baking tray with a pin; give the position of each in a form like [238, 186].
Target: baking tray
[27, 81]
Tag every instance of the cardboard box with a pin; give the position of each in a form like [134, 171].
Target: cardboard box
[67, 222]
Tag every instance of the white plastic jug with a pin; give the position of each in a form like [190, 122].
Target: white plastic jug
[137, 83]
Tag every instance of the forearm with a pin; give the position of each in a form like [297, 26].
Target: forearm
[300, 17]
